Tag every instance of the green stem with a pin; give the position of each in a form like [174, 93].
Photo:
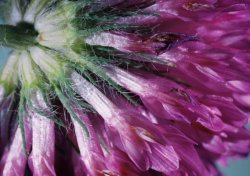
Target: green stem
[18, 37]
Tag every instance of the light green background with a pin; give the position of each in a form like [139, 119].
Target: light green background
[3, 55]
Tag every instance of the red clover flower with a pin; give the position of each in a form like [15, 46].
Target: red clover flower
[124, 87]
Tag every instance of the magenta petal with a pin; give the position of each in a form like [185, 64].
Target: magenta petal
[16, 160]
[43, 138]
[90, 150]
[77, 163]
[244, 99]
[5, 118]
[2, 92]
[43, 146]
[185, 149]
[118, 163]
[134, 153]
[164, 159]
[239, 86]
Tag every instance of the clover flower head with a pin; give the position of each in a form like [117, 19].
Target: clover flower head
[124, 87]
